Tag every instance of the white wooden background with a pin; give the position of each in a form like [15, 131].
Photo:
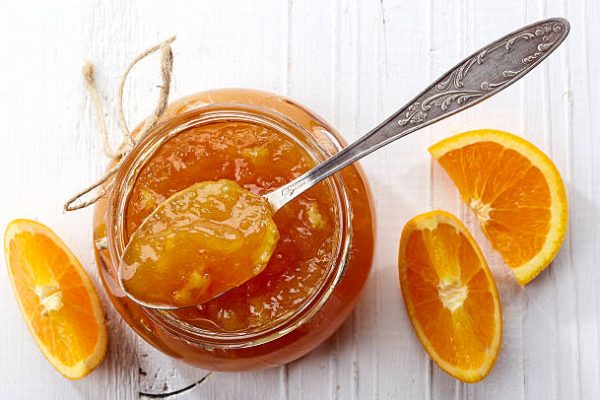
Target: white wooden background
[353, 63]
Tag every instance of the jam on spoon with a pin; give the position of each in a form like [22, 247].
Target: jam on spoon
[199, 243]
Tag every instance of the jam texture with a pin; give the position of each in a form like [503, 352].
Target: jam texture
[259, 159]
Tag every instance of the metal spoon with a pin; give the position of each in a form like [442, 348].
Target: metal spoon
[476, 78]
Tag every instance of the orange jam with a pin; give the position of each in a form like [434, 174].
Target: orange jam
[318, 267]
[259, 159]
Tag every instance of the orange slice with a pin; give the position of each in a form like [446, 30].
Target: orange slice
[450, 295]
[56, 297]
[516, 193]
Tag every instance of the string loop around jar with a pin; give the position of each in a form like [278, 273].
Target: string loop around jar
[104, 184]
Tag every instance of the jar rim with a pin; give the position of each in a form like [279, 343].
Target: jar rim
[219, 112]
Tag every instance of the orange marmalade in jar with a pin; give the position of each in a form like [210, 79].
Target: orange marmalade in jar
[326, 236]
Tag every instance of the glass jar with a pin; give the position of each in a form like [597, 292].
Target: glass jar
[292, 334]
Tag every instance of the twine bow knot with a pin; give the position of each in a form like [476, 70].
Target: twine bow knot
[102, 186]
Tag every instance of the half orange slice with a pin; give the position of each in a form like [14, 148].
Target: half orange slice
[516, 193]
[450, 295]
[56, 297]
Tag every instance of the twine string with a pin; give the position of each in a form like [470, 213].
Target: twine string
[104, 184]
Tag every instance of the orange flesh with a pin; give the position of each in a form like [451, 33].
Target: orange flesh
[425, 277]
[513, 204]
[41, 251]
[258, 159]
[56, 297]
[202, 241]
[450, 296]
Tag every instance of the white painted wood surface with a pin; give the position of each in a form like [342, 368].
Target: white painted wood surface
[353, 63]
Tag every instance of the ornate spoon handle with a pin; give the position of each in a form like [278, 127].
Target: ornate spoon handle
[478, 77]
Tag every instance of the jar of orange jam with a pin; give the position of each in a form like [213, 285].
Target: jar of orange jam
[324, 254]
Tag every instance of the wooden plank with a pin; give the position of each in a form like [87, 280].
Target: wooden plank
[584, 236]
[558, 120]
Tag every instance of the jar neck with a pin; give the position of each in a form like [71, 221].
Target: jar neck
[318, 148]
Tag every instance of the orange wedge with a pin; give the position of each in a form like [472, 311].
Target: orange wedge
[516, 193]
[56, 297]
[450, 295]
